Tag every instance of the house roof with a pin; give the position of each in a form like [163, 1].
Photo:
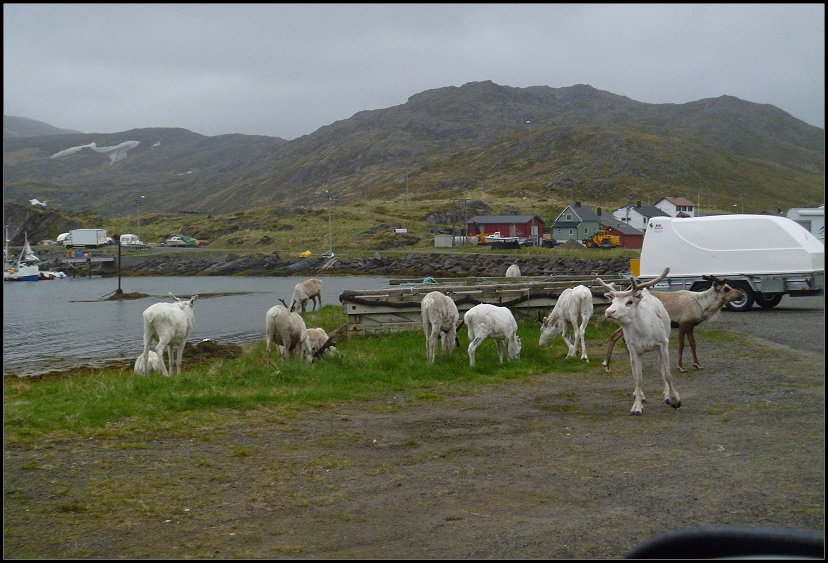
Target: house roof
[679, 201]
[610, 221]
[647, 211]
[503, 219]
[587, 214]
[583, 212]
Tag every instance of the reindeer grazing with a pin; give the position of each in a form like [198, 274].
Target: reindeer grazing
[645, 325]
[574, 307]
[688, 309]
[440, 319]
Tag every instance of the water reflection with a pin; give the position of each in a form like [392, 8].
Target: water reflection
[57, 324]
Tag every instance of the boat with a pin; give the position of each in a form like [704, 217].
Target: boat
[25, 268]
[497, 237]
[51, 275]
[500, 242]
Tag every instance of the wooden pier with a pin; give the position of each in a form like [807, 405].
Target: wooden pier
[397, 307]
[88, 266]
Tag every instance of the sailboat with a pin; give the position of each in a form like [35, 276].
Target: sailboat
[25, 268]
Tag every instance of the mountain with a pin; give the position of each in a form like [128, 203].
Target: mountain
[477, 140]
[14, 126]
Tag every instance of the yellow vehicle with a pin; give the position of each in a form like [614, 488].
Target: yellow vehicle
[602, 239]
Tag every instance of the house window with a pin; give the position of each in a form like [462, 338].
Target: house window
[570, 232]
[569, 218]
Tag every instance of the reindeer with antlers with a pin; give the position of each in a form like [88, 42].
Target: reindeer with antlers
[645, 325]
[688, 309]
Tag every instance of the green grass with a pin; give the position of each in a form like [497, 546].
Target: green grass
[112, 402]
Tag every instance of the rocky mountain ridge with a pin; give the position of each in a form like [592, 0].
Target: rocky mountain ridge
[480, 138]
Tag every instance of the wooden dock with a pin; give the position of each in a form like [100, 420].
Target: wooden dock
[397, 307]
[87, 266]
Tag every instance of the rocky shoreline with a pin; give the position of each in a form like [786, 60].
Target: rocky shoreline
[403, 265]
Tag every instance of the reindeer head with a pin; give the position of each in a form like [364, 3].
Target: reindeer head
[625, 303]
[189, 303]
[551, 327]
[723, 291]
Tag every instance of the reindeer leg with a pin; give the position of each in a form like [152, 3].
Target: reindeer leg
[682, 332]
[692, 340]
[671, 396]
[638, 394]
[581, 331]
[613, 339]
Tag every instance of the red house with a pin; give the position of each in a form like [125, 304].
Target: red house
[526, 226]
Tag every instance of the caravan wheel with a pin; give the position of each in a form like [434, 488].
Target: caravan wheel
[746, 302]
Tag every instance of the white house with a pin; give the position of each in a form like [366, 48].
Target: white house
[676, 207]
[637, 215]
[812, 218]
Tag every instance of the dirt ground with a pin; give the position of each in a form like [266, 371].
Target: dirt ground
[548, 468]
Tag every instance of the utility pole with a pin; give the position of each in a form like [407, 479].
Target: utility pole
[330, 225]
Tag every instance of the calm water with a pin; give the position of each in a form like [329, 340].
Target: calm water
[50, 325]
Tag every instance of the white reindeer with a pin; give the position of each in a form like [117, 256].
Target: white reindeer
[153, 363]
[688, 309]
[513, 271]
[170, 324]
[318, 338]
[308, 290]
[287, 328]
[440, 318]
[646, 326]
[490, 321]
[574, 307]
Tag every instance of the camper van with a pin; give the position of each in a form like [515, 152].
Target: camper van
[131, 240]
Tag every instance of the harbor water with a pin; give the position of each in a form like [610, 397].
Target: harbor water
[58, 324]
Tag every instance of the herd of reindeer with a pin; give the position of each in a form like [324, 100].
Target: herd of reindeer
[644, 318]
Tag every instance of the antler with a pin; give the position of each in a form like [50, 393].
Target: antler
[636, 286]
[608, 286]
[329, 342]
[714, 279]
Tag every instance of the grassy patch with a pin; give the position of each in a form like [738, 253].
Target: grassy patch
[110, 402]
[118, 403]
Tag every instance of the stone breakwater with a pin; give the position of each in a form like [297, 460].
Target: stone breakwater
[403, 265]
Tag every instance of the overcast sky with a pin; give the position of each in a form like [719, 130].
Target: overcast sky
[286, 70]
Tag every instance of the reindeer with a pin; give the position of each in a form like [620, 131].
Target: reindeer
[646, 326]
